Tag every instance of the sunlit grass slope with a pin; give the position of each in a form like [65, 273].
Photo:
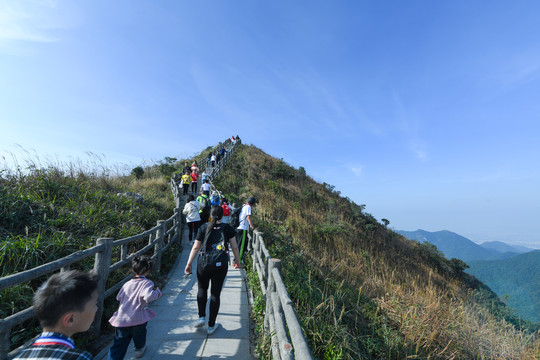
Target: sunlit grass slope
[52, 211]
[362, 291]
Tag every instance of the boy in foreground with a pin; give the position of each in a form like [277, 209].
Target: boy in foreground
[64, 305]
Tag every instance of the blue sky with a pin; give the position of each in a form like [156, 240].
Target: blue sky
[425, 111]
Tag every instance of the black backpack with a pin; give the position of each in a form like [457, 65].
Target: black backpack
[235, 217]
[205, 211]
[217, 256]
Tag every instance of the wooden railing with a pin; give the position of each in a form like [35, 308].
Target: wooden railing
[160, 239]
[280, 317]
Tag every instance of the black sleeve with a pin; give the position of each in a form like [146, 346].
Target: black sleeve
[229, 231]
[200, 232]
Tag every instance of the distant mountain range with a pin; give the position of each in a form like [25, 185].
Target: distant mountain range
[453, 245]
[504, 247]
[512, 272]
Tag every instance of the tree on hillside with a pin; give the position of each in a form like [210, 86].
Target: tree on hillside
[138, 172]
[386, 222]
[166, 166]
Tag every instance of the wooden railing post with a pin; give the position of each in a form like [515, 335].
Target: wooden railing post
[178, 225]
[159, 245]
[271, 287]
[269, 322]
[102, 264]
[5, 342]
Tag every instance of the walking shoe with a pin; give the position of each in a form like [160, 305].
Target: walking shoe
[139, 353]
[200, 322]
[212, 329]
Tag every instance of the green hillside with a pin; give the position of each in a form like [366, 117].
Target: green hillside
[517, 280]
[362, 291]
[53, 210]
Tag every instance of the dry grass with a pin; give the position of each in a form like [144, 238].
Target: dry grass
[361, 290]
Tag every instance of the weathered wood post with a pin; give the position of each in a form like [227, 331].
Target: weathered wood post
[178, 224]
[5, 342]
[160, 235]
[269, 321]
[123, 252]
[271, 287]
[102, 264]
[177, 200]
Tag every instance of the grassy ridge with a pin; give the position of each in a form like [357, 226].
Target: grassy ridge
[49, 213]
[362, 291]
[50, 209]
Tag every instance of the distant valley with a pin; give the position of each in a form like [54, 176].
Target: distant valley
[513, 272]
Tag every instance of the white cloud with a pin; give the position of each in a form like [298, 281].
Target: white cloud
[409, 125]
[32, 20]
[357, 169]
[420, 152]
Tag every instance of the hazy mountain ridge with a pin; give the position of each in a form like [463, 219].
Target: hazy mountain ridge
[503, 247]
[500, 266]
[453, 245]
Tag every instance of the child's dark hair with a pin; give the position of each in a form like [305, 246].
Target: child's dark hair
[224, 200]
[216, 213]
[141, 264]
[190, 198]
[61, 293]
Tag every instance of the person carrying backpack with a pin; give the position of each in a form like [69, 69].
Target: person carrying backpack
[193, 217]
[214, 199]
[227, 211]
[204, 212]
[213, 240]
[245, 222]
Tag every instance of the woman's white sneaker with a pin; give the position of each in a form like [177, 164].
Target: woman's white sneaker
[200, 322]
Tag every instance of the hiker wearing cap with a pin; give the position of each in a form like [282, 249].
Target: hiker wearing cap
[245, 223]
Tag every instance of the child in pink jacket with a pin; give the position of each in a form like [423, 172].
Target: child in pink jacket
[133, 313]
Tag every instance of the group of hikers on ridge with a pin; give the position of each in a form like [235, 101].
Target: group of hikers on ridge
[190, 173]
[67, 302]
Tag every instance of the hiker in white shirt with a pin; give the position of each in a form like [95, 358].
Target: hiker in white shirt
[205, 188]
[193, 219]
[245, 224]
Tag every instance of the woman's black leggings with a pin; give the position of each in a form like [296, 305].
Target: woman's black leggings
[217, 277]
[186, 188]
[193, 227]
[194, 186]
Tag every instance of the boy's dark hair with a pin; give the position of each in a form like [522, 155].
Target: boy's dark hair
[141, 264]
[190, 198]
[61, 293]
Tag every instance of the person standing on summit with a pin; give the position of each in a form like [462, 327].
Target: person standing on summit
[245, 223]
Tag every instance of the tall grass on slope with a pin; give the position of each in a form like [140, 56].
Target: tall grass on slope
[360, 290]
[50, 212]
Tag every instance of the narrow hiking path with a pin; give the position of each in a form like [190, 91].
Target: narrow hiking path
[172, 333]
